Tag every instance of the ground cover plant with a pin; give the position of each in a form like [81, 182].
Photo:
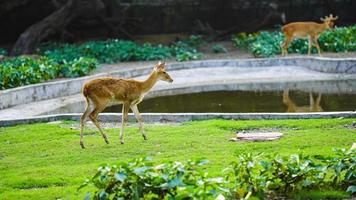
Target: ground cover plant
[267, 44]
[45, 161]
[249, 175]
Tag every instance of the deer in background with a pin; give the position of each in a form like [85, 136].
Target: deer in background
[129, 92]
[306, 29]
[314, 104]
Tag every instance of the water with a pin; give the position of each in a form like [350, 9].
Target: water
[247, 101]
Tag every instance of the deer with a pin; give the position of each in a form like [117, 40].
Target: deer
[311, 30]
[101, 92]
[314, 104]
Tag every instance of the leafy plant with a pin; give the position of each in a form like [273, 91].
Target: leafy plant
[184, 52]
[219, 49]
[24, 70]
[141, 179]
[249, 175]
[3, 52]
[343, 168]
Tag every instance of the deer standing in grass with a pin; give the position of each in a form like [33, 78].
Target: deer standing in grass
[311, 30]
[102, 91]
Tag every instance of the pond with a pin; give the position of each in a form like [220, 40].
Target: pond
[312, 96]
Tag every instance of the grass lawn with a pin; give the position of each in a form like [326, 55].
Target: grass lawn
[45, 161]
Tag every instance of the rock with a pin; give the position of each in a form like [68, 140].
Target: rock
[257, 136]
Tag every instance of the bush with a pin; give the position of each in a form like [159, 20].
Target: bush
[267, 44]
[111, 51]
[3, 52]
[219, 49]
[24, 70]
[141, 179]
[184, 52]
[250, 175]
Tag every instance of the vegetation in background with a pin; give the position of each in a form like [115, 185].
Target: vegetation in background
[25, 70]
[249, 175]
[219, 49]
[3, 52]
[37, 165]
[267, 44]
[70, 60]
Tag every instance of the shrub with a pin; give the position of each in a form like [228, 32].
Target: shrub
[243, 40]
[184, 52]
[24, 70]
[141, 179]
[219, 49]
[269, 176]
[114, 50]
[3, 52]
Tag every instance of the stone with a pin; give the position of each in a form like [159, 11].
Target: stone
[257, 136]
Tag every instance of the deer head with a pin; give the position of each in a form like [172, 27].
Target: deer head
[329, 21]
[160, 70]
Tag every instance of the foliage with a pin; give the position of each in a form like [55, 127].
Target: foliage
[343, 168]
[3, 52]
[114, 50]
[219, 49]
[184, 52]
[250, 174]
[267, 44]
[24, 70]
[243, 40]
[140, 179]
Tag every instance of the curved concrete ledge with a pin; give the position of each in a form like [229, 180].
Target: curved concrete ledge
[180, 117]
[48, 90]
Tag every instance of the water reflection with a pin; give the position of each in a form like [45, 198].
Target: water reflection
[314, 103]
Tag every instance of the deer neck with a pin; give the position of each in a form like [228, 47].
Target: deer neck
[149, 82]
[324, 26]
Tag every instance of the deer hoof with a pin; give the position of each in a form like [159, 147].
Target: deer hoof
[122, 142]
[82, 145]
[106, 139]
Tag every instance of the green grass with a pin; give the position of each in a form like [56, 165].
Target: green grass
[45, 161]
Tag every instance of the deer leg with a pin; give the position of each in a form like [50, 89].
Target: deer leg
[94, 115]
[284, 46]
[317, 45]
[139, 120]
[125, 110]
[82, 121]
[310, 41]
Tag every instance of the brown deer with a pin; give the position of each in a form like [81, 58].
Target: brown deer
[306, 29]
[102, 91]
[314, 104]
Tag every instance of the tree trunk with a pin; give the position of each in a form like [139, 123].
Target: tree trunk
[52, 24]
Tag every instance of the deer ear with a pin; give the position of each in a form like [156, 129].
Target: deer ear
[322, 19]
[159, 66]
